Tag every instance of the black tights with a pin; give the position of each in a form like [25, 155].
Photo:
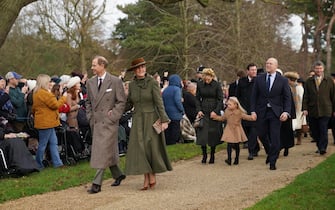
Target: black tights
[235, 146]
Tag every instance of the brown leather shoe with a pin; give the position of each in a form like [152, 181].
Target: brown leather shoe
[95, 188]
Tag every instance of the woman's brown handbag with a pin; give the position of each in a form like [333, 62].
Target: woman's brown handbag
[305, 128]
[158, 126]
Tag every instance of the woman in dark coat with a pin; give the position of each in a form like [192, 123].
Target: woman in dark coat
[146, 150]
[286, 130]
[209, 102]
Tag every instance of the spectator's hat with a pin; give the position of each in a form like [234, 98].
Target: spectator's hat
[1, 78]
[73, 81]
[64, 78]
[292, 75]
[279, 71]
[13, 74]
[31, 84]
[136, 63]
[56, 79]
[200, 69]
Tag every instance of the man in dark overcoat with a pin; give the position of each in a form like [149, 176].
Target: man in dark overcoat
[243, 93]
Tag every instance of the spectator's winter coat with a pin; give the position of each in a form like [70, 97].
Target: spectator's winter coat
[172, 98]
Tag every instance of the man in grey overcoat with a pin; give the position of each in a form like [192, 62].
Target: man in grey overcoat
[104, 107]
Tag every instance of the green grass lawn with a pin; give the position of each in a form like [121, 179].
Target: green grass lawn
[314, 189]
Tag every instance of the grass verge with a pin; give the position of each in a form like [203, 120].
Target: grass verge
[314, 189]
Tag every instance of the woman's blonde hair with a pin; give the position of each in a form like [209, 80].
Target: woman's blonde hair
[208, 71]
[235, 100]
[42, 82]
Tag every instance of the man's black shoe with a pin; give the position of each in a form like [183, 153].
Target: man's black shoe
[273, 167]
[118, 180]
[250, 157]
[322, 152]
[95, 188]
[286, 152]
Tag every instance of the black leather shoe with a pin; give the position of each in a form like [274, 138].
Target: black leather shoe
[322, 152]
[273, 167]
[286, 152]
[204, 159]
[228, 161]
[250, 157]
[211, 160]
[95, 188]
[118, 180]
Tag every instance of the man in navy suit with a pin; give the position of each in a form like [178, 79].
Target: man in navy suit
[271, 105]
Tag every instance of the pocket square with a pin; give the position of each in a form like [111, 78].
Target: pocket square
[109, 90]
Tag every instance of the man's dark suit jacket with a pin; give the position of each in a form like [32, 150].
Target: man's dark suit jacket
[279, 96]
[232, 88]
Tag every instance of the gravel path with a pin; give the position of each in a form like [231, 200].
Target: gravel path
[190, 185]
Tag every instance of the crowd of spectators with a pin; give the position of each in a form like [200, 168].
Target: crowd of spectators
[35, 108]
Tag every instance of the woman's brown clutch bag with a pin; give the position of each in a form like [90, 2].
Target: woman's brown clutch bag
[157, 126]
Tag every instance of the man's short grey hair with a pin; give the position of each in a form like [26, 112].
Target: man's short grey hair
[318, 63]
[101, 60]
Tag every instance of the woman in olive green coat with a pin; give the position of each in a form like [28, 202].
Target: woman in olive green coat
[146, 150]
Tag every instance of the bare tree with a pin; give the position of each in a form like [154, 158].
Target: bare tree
[74, 21]
[9, 10]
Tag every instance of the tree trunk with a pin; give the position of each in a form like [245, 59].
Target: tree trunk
[238, 32]
[304, 45]
[318, 30]
[9, 10]
[328, 43]
[185, 50]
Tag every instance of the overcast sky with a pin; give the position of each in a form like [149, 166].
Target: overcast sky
[112, 13]
[295, 32]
